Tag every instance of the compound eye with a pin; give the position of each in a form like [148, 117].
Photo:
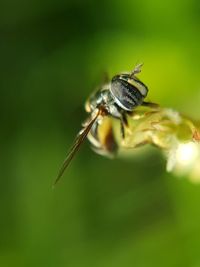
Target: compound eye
[124, 77]
[128, 93]
[124, 95]
[141, 87]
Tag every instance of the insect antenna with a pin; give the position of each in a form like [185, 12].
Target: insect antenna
[136, 70]
[75, 147]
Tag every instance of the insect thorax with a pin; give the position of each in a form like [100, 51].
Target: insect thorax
[104, 99]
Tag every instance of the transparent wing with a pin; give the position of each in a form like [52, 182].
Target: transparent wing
[77, 143]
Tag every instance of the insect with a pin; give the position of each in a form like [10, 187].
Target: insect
[116, 99]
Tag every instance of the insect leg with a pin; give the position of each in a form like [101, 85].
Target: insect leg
[122, 130]
[150, 104]
[123, 124]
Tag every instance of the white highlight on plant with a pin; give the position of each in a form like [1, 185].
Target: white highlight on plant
[185, 160]
[187, 153]
[173, 115]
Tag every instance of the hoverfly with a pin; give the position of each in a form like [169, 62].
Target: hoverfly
[116, 99]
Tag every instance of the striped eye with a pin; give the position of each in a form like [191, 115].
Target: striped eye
[127, 91]
[139, 85]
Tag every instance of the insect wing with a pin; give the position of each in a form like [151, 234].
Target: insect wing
[77, 143]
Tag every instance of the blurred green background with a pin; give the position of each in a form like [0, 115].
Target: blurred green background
[122, 212]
